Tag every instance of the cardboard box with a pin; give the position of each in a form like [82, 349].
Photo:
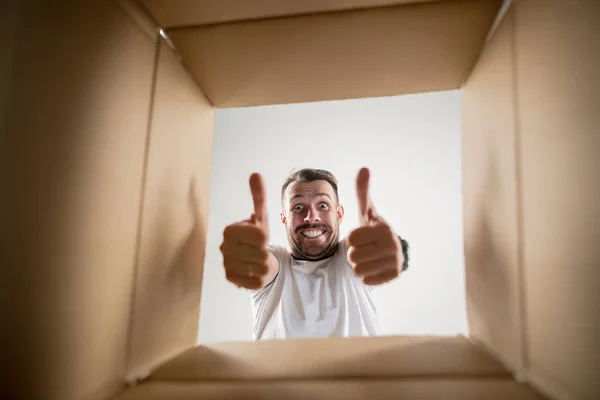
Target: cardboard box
[106, 151]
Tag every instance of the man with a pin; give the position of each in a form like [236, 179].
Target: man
[323, 286]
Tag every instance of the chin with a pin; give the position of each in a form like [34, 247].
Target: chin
[317, 252]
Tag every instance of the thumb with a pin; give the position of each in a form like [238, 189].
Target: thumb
[257, 187]
[362, 194]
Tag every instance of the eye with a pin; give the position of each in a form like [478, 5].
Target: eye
[297, 208]
[324, 206]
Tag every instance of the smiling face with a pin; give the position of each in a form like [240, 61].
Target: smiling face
[312, 217]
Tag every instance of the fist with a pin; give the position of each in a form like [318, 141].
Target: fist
[375, 250]
[244, 248]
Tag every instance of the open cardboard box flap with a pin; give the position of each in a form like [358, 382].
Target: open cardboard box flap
[106, 162]
[420, 367]
[353, 389]
[381, 357]
[171, 14]
[408, 48]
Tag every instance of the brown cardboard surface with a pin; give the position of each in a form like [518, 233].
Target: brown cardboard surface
[490, 200]
[173, 228]
[73, 152]
[9, 17]
[558, 97]
[379, 357]
[9, 20]
[140, 16]
[105, 190]
[376, 52]
[417, 389]
[178, 13]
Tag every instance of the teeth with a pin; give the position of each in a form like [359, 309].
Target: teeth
[312, 233]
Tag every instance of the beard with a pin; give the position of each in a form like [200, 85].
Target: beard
[314, 251]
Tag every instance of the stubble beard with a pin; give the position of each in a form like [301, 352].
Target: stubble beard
[328, 248]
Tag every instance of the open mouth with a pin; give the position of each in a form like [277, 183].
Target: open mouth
[312, 233]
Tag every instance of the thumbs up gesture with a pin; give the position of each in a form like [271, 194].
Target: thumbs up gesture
[246, 257]
[375, 250]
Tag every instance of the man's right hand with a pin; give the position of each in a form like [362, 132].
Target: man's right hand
[247, 260]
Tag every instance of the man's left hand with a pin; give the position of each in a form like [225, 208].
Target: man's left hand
[375, 250]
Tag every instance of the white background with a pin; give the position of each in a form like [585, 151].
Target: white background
[412, 146]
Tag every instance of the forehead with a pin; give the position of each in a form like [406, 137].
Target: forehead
[309, 189]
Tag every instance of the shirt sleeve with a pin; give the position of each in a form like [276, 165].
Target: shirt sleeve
[405, 248]
[264, 300]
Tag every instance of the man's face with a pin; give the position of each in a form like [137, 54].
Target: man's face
[312, 216]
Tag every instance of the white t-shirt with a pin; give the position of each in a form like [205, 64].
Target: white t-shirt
[314, 299]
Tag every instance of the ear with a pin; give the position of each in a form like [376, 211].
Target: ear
[283, 218]
[340, 212]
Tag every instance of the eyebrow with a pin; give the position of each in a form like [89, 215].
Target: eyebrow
[316, 195]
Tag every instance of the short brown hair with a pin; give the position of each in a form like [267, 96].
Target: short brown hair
[311, 175]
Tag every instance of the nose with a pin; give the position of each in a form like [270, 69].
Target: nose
[312, 215]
